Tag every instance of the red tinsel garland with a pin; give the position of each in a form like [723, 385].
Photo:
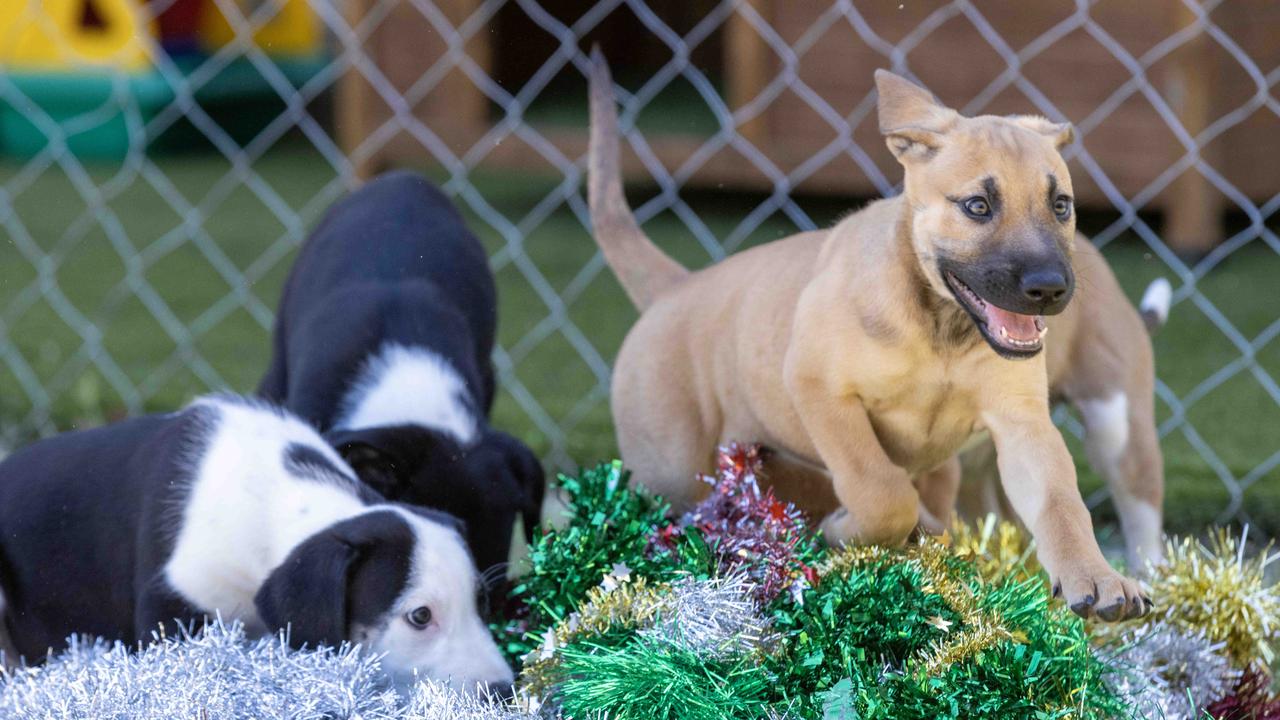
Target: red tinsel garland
[748, 528]
[1251, 700]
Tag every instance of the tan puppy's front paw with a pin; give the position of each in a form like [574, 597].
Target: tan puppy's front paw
[836, 528]
[842, 528]
[930, 523]
[1101, 591]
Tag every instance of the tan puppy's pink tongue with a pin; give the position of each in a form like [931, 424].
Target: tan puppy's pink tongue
[1018, 327]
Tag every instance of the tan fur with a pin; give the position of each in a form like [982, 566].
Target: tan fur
[1097, 348]
[845, 350]
[644, 270]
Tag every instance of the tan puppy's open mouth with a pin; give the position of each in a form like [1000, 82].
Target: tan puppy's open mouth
[1011, 334]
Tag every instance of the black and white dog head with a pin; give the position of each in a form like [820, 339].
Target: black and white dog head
[490, 481]
[399, 582]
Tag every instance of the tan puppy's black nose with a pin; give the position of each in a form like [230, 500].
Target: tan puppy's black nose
[1044, 287]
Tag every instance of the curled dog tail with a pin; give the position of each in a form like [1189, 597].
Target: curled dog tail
[1155, 304]
[642, 268]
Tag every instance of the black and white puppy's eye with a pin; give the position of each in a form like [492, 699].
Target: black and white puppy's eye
[419, 617]
[1062, 207]
[977, 208]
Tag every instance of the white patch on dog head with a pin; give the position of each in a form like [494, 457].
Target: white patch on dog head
[409, 386]
[455, 647]
[245, 511]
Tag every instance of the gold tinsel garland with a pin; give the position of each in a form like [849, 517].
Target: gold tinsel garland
[1216, 591]
[980, 630]
[998, 548]
[1204, 590]
[623, 603]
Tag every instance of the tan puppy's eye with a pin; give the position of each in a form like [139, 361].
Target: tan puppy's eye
[977, 207]
[1062, 208]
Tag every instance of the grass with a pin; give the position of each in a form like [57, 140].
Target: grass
[90, 280]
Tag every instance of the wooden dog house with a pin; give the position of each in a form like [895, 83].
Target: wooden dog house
[1085, 67]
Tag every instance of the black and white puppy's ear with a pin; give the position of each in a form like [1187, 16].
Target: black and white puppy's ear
[380, 457]
[524, 467]
[338, 580]
[308, 591]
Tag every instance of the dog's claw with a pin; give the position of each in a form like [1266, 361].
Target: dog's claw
[1083, 606]
[1118, 609]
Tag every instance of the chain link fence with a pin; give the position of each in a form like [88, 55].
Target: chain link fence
[150, 202]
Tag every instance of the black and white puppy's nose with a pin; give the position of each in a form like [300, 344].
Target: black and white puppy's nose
[1050, 289]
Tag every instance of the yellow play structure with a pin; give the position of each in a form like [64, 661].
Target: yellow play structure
[67, 58]
[47, 35]
[75, 35]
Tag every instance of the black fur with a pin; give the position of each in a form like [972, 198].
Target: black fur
[89, 520]
[394, 263]
[86, 525]
[345, 576]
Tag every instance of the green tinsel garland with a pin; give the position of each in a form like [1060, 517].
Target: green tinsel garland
[911, 633]
[884, 638]
[611, 524]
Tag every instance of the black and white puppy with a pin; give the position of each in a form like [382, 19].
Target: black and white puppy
[236, 508]
[383, 341]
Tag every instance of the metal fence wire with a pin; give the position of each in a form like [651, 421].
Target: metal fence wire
[137, 269]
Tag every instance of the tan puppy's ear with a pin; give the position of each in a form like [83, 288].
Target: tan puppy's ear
[1062, 134]
[911, 118]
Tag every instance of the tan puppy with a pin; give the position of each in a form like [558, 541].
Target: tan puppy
[1099, 361]
[877, 348]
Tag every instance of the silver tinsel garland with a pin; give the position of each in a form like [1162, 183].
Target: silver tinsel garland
[716, 617]
[1169, 674]
[220, 674]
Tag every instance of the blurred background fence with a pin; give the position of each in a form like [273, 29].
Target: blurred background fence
[161, 160]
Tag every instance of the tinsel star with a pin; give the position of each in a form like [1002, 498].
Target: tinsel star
[940, 622]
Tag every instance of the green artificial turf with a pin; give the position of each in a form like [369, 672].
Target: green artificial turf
[89, 279]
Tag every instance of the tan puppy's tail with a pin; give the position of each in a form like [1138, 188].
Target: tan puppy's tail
[643, 269]
[1155, 304]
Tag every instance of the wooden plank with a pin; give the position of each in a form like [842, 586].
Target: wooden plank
[352, 100]
[1193, 212]
[748, 68]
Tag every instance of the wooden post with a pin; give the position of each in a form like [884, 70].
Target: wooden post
[352, 121]
[1193, 224]
[748, 68]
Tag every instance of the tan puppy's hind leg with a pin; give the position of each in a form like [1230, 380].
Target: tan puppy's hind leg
[981, 494]
[662, 439]
[1122, 447]
[938, 489]
[805, 484]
